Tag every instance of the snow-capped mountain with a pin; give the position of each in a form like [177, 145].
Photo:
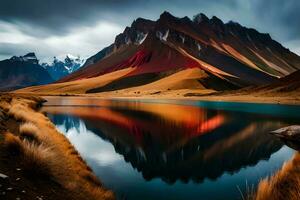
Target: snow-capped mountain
[60, 68]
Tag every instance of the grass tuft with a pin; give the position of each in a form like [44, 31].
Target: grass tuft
[90, 177]
[18, 113]
[12, 143]
[37, 159]
[29, 131]
[284, 184]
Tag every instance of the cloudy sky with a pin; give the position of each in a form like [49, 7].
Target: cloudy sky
[83, 27]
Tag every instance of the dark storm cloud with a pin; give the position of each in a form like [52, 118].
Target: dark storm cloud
[59, 16]
[65, 20]
[280, 16]
[56, 16]
[44, 17]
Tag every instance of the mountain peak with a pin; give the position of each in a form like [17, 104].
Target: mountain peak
[166, 15]
[141, 20]
[200, 18]
[233, 23]
[63, 66]
[141, 24]
[29, 57]
[215, 20]
[72, 57]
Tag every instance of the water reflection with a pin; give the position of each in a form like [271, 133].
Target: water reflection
[171, 143]
[82, 138]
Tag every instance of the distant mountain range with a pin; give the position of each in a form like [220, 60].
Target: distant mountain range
[60, 68]
[179, 53]
[23, 71]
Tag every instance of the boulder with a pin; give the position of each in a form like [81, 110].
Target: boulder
[288, 133]
[3, 176]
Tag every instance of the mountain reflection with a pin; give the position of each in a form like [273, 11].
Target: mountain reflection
[175, 142]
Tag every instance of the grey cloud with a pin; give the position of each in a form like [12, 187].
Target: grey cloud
[282, 17]
[8, 50]
[44, 18]
[40, 18]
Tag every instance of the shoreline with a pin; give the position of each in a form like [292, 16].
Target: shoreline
[281, 99]
[36, 160]
[225, 99]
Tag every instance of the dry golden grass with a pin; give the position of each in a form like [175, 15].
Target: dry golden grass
[29, 131]
[12, 143]
[37, 158]
[18, 112]
[49, 152]
[77, 86]
[4, 104]
[284, 185]
[34, 158]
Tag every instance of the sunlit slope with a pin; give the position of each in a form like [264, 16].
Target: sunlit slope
[187, 79]
[191, 78]
[78, 86]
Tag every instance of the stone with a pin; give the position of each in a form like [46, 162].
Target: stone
[3, 176]
[288, 133]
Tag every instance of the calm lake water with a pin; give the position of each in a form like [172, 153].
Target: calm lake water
[155, 149]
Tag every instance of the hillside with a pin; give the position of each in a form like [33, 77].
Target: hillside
[286, 86]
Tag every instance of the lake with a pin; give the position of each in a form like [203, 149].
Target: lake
[175, 149]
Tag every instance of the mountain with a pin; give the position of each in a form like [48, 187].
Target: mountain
[58, 69]
[290, 83]
[219, 55]
[288, 86]
[23, 71]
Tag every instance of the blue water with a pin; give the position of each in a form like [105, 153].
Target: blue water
[191, 150]
[258, 108]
